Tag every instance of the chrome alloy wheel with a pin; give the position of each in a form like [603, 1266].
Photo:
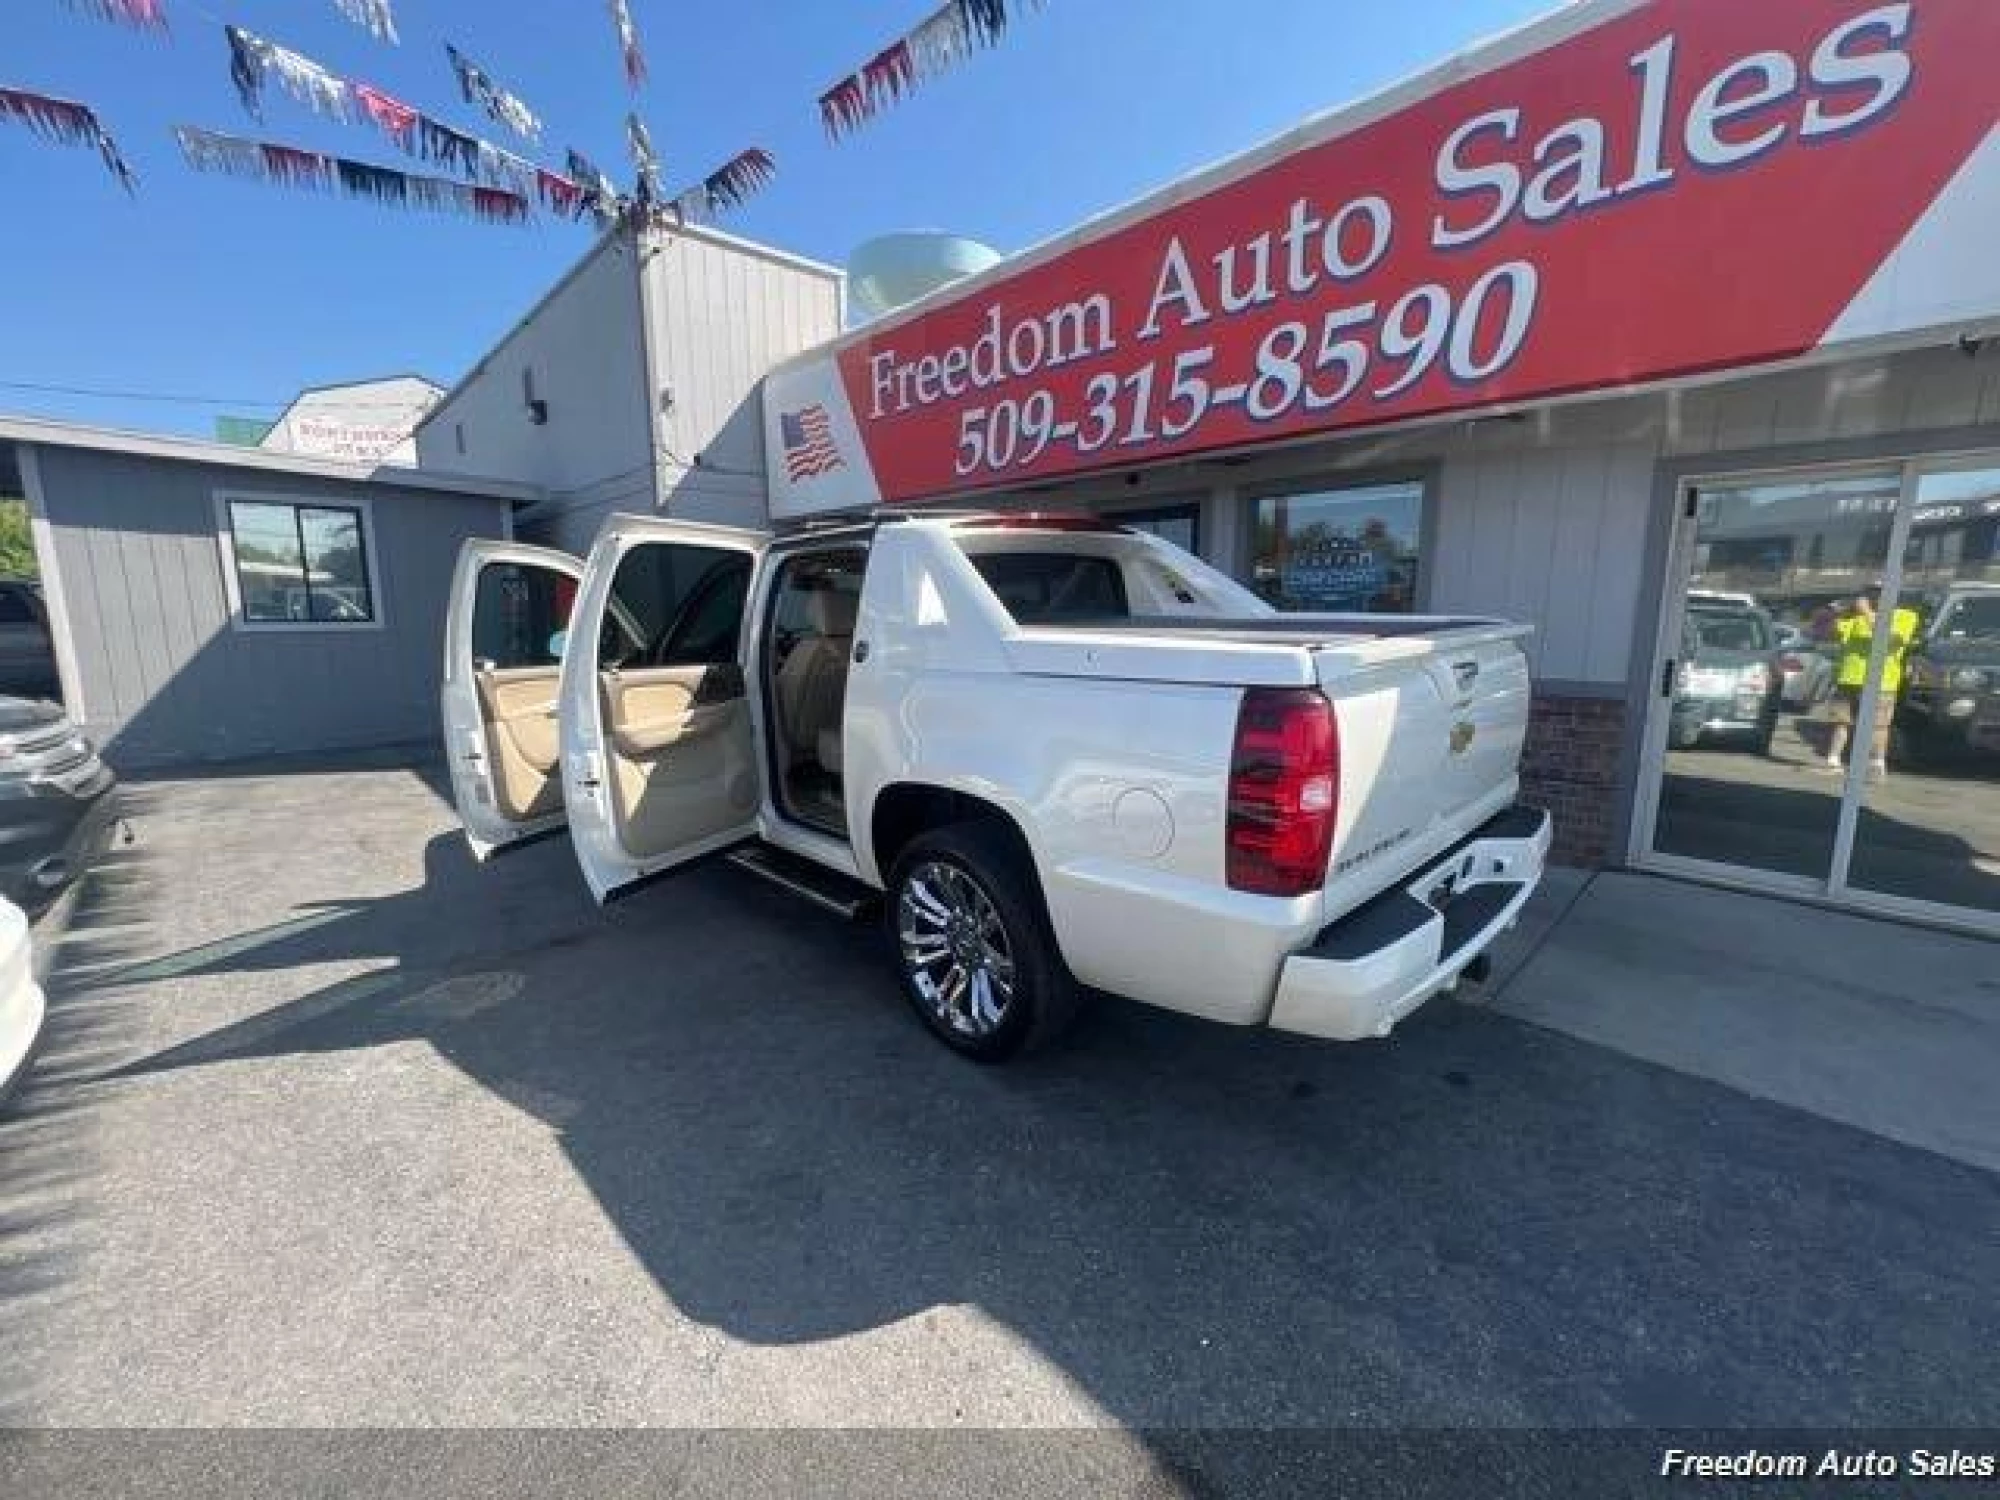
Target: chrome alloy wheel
[955, 948]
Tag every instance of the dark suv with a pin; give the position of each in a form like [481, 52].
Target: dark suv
[1951, 689]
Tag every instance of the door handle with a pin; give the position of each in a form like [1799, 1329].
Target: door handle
[860, 652]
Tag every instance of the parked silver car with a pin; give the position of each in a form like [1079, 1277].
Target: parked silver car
[58, 802]
[1805, 670]
[1727, 687]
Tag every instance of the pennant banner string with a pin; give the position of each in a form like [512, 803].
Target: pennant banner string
[644, 158]
[67, 123]
[251, 58]
[373, 16]
[584, 190]
[628, 43]
[940, 42]
[411, 130]
[727, 187]
[288, 166]
[148, 14]
[477, 87]
[600, 194]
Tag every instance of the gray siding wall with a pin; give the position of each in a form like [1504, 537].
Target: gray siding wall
[649, 353]
[719, 314]
[583, 348]
[1555, 518]
[165, 677]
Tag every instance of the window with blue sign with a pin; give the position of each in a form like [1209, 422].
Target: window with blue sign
[1328, 550]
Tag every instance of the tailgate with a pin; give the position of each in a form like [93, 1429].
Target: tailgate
[1430, 746]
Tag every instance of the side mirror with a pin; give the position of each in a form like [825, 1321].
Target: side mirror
[559, 643]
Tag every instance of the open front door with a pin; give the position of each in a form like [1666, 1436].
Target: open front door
[659, 761]
[504, 640]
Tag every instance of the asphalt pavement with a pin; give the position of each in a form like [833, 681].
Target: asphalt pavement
[338, 1129]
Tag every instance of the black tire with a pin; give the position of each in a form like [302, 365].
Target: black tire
[1918, 745]
[1043, 996]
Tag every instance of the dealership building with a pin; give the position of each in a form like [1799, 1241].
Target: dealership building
[1667, 326]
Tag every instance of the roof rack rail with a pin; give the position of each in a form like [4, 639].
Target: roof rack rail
[875, 516]
[794, 525]
[998, 516]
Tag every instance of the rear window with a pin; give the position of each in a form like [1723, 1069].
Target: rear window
[1047, 587]
[1732, 631]
[1971, 620]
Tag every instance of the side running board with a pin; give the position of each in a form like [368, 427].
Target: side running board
[829, 889]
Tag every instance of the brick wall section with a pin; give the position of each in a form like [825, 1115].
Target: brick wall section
[1570, 766]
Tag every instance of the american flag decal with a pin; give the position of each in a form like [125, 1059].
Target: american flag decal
[808, 439]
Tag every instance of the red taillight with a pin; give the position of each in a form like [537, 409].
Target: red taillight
[1284, 792]
[1789, 663]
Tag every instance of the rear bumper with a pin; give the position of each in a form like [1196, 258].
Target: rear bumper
[1381, 961]
[1971, 717]
[1720, 715]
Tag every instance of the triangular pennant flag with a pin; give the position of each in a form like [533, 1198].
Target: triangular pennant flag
[289, 166]
[644, 157]
[149, 14]
[373, 16]
[67, 123]
[941, 41]
[628, 43]
[476, 85]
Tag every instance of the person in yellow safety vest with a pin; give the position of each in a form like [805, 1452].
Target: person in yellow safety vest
[1854, 635]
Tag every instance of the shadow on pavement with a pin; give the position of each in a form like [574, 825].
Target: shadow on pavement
[1477, 1223]
[45, 1142]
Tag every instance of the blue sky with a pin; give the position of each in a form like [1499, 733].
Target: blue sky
[211, 287]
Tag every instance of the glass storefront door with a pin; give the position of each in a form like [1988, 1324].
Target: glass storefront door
[1828, 713]
[1928, 827]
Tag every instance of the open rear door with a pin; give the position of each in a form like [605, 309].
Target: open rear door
[658, 753]
[503, 644]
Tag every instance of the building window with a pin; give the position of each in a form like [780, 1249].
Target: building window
[298, 564]
[1339, 549]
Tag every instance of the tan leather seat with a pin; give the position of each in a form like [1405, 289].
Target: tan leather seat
[813, 681]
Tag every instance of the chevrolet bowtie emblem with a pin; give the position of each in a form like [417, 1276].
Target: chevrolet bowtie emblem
[1461, 736]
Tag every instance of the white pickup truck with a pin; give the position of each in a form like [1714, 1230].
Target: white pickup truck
[1066, 754]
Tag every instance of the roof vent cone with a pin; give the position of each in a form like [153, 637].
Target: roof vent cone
[894, 270]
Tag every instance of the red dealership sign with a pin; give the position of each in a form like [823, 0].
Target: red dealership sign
[1630, 191]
